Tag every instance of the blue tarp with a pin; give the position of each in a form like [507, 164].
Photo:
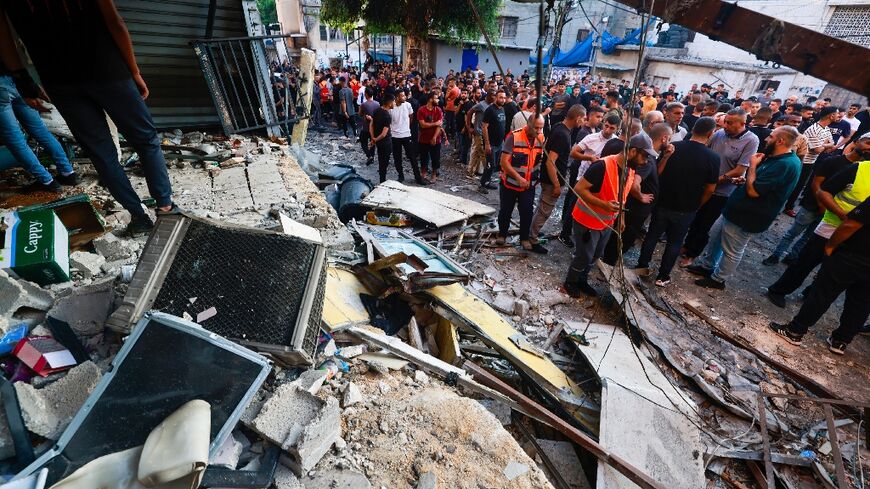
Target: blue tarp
[580, 53]
[609, 41]
[382, 57]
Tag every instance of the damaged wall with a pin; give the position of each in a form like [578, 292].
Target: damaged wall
[161, 32]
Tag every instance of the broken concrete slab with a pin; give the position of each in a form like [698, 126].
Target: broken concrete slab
[113, 247]
[504, 303]
[352, 395]
[87, 264]
[499, 410]
[48, 411]
[229, 453]
[300, 423]
[337, 479]
[86, 308]
[311, 380]
[515, 469]
[564, 459]
[429, 205]
[16, 294]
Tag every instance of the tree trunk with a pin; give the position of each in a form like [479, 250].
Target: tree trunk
[416, 54]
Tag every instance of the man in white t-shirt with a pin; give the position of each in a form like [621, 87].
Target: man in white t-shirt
[850, 117]
[400, 129]
[521, 118]
[588, 150]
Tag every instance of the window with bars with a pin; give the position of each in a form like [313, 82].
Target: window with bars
[582, 34]
[850, 23]
[508, 27]
[324, 33]
[765, 84]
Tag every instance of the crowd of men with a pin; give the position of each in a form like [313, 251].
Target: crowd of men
[703, 172]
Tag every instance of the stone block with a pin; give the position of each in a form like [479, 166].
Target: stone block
[504, 303]
[86, 308]
[112, 247]
[311, 380]
[317, 437]
[521, 308]
[48, 411]
[88, 264]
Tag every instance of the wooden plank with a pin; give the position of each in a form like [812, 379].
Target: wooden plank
[769, 38]
[757, 474]
[842, 481]
[765, 438]
[577, 436]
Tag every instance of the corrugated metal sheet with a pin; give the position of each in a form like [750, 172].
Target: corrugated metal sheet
[161, 32]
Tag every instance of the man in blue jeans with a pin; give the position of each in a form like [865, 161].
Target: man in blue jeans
[750, 209]
[13, 110]
[90, 72]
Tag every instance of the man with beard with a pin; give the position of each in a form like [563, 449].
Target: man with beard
[597, 207]
[494, 124]
[751, 208]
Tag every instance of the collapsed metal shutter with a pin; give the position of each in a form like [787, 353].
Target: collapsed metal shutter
[161, 32]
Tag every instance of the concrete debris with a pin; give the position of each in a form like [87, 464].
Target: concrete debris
[354, 351]
[352, 395]
[229, 453]
[337, 479]
[48, 411]
[113, 248]
[504, 303]
[300, 423]
[286, 479]
[564, 459]
[421, 377]
[87, 264]
[499, 410]
[19, 294]
[427, 480]
[515, 469]
[521, 308]
[86, 308]
[311, 380]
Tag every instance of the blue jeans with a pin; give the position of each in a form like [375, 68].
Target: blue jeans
[724, 249]
[84, 106]
[803, 221]
[675, 225]
[13, 109]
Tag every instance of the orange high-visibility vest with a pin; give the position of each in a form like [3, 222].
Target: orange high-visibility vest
[526, 160]
[597, 218]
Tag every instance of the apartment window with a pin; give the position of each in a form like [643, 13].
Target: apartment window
[336, 34]
[324, 35]
[849, 23]
[582, 34]
[765, 84]
[508, 27]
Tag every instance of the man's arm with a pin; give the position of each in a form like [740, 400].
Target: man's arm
[750, 175]
[843, 232]
[636, 192]
[666, 155]
[584, 194]
[509, 170]
[708, 192]
[118, 29]
[485, 133]
[827, 200]
[552, 156]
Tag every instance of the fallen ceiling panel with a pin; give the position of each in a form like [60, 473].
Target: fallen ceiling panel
[436, 208]
[644, 418]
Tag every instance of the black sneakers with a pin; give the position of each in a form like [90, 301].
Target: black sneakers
[538, 248]
[699, 270]
[710, 283]
[777, 300]
[836, 347]
[51, 187]
[140, 225]
[70, 180]
[786, 334]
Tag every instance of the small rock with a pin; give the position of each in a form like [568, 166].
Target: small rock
[88, 264]
[384, 387]
[421, 377]
[352, 395]
[427, 480]
[515, 469]
[340, 444]
[521, 308]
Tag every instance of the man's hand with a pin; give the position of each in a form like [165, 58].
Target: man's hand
[487, 149]
[36, 103]
[614, 206]
[669, 150]
[646, 198]
[524, 183]
[829, 248]
[755, 159]
[557, 190]
[141, 86]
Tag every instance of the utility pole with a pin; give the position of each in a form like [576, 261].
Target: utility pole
[596, 45]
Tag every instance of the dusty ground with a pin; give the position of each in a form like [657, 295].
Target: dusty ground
[742, 308]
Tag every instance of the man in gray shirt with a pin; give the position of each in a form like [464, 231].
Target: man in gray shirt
[474, 118]
[735, 145]
[346, 105]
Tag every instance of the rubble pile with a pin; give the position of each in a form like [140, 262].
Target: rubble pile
[415, 353]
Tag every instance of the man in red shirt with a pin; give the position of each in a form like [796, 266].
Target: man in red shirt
[431, 118]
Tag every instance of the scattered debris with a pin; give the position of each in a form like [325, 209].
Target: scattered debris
[48, 411]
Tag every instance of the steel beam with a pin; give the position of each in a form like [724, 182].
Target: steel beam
[770, 39]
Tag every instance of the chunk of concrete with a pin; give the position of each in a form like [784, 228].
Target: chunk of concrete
[427, 480]
[86, 308]
[112, 247]
[300, 423]
[88, 264]
[311, 380]
[16, 295]
[499, 410]
[504, 303]
[48, 411]
[286, 479]
[521, 308]
[515, 469]
[337, 479]
[352, 395]
[228, 454]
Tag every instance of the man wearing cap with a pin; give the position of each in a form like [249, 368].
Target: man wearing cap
[750, 209]
[601, 197]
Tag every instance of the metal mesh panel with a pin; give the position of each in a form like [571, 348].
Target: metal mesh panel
[256, 281]
[309, 344]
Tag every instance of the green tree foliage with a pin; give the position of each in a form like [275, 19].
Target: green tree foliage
[268, 12]
[450, 19]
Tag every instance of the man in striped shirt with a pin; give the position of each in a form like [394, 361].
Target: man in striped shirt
[819, 140]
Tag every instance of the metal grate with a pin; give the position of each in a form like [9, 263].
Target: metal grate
[256, 282]
[850, 23]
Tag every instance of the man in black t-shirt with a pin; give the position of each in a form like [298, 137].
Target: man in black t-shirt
[556, 152]
[465, 102]
[494, 125]
[379, 126]
[809, 212]
[846, 269]
[686, 181]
